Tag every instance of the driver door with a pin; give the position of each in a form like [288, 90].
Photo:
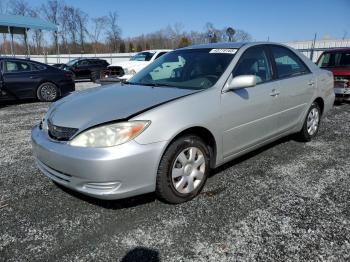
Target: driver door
[250, 115]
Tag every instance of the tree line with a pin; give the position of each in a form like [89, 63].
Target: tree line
[80, 33]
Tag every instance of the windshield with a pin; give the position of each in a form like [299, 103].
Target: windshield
[189, 68]
[341, 59]
[72, 62]
[143, 56]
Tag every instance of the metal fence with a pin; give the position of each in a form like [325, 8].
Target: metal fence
[64, 58]
[311, 49]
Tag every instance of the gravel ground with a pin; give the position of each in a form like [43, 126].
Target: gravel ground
[288, 202]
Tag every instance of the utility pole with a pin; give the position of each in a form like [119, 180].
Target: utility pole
[313, 47]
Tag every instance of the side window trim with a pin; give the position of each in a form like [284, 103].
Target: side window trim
[308, 71]
[30, 65]
[264, 47]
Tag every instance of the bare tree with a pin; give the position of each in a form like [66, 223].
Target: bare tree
[69, 21]
[81, 19]
[114, 30]
[98, 25]
[19, 7]
[242, 35]
[4, 10]
[37, 35]
[51, 11]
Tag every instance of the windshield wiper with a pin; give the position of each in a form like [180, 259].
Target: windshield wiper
[156, 84]
[129, 83]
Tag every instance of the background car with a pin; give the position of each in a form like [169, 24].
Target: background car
[86, 68]
[164, 132]
[21, 78]
[338, 61]
[125, 70]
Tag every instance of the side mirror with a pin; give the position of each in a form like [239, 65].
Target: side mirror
[238, 82]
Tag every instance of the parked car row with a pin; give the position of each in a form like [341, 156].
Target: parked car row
[174, 116]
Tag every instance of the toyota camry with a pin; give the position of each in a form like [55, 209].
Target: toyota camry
[188, 112]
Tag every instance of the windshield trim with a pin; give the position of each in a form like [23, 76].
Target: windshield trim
[207, 77]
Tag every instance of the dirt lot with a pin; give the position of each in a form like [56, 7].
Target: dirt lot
[288, 201]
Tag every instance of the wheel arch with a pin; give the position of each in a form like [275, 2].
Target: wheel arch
[204, 134]
[320, 103]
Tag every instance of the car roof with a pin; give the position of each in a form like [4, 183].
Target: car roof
[156, 50]
[18, 59]
[230, 45]
[335, 50]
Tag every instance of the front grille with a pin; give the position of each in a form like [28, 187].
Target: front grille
[342, 81]
[116, 71]
[61, 133]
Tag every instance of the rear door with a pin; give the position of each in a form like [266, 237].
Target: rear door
[18, 78]
[296, 85]
[82, 69]
[250, 115]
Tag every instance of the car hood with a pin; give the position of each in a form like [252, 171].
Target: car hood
[130, 64]
[114, 102]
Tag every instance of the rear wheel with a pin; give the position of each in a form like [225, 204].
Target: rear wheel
[311, 124]
[47, 92]
[183, 170]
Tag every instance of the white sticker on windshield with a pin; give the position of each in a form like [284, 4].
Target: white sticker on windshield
[231, 51]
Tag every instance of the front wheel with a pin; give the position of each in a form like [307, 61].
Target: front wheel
[311, 124]
[47, 92]
[183, 170]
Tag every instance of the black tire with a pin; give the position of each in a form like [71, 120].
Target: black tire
[165, 189]
[74, 77]
[94, 76]
[47, 92]
[304, 135]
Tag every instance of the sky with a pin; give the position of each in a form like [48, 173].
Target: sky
[278, 20]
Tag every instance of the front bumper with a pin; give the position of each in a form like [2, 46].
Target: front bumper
[106, 173]
[342, 94]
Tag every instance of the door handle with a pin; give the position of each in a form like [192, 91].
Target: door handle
[274, 93]
[311, 83]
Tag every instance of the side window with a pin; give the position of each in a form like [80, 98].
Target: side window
[37, 67]
[254, 61]
[159, 55]
[287, 63]
[83, 63]
[16, 66]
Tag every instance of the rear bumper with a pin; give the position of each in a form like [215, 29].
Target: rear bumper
[106, 173]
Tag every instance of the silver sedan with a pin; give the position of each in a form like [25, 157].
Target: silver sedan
[191, 110]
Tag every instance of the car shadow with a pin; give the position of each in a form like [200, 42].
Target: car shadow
[111, 204]
[252, 154]
[141, 254]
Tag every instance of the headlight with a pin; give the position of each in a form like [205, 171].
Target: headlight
[110, 134]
